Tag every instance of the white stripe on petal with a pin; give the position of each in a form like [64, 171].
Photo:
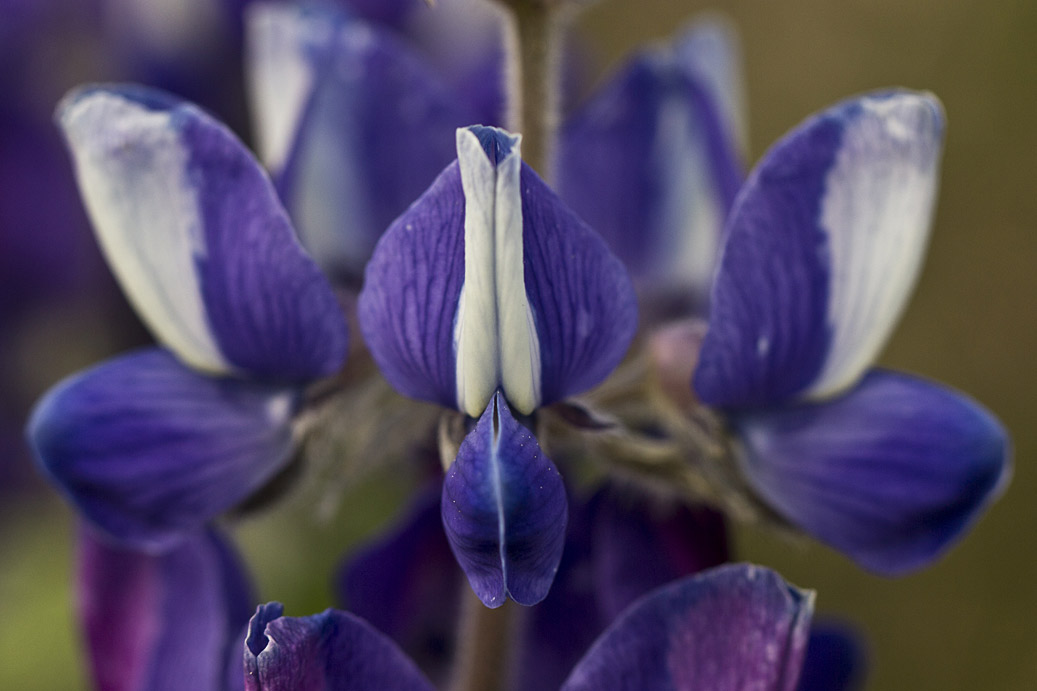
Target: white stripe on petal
[519, 345]
[132, 173]
[876, 213]
[478, 348]
[496, 337]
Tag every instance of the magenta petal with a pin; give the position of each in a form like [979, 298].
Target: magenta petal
[145, 616]
[735, 628]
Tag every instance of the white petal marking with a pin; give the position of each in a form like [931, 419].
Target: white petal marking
[877, 213]
[495, 335]
[132, 172]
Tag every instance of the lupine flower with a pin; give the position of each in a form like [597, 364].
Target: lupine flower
[489, 295]
[819, 252]
[152, 445]
[163, 622]
[653, 160]
[822, 248]
[735, 627]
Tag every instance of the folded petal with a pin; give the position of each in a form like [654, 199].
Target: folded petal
[149, 450]
[504, 510]
[354, 125]
[489, 282]
[332, 651]
[823, 247]
[734, 628]
[889, 474]
[193, 230]
[652, 164]
[408, 586]
[161, 622]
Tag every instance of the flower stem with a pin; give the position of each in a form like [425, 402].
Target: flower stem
[534, 81]
[484, 645]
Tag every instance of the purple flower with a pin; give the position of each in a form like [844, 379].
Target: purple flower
[152, 445]
[488, 295]
[810, 264]
[653, 161]
[732, 628]
[822, 248]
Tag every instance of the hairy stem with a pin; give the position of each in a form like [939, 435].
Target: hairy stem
[484, 645]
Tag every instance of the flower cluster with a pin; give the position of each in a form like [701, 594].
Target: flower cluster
[588, 453]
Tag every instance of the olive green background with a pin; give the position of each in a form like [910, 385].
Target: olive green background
[967, 622]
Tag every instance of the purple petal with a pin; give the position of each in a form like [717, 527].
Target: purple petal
[639, 546]
[651, 164]
[332, 651]
[149, 450]
[824, 244]
[890, 474]
[354, 124]
[504, 510]
[192, 228]
[408, 586]
[736, 627]
[835, 660]
[411, 288]
[580, 294]
[161, 622]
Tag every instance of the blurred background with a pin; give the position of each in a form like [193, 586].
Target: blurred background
[968, 622]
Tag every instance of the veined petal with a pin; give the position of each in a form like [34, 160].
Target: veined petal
[824, 245]
[457, 303]
[332, 651]
[652, 164]
[149, 450]
[580, 295]
[354, 125]
[144, 616]
[890, 474]
[192, 228]
[504, 510]
[411, 289]
[734, 628]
